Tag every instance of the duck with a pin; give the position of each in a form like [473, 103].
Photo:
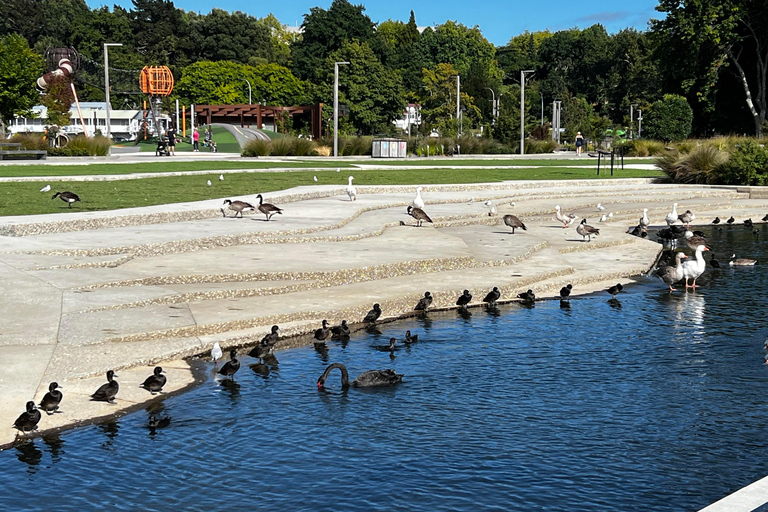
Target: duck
[713, 262]
[154, 422]
[239, 206]
[464, 299]
[369, 379]
[644, 220]
[513, 222]
[268, 209]
[741, 262]
[230, 367]
[565, 291]
[108, 391]
[528, 296]
[418, 202]
[492, 296]
[52, 399]
[670, 274]
[586, 231]
[155, 382]
[373, 314]
[672, 216]
[731, 220]
[322, 333]
[272, 338]
[351, 190]
[639, 231]
[340, 331]
[216, 353]
[29, 419]
[566, 218]
[694, 240]
[765, 219]
[411, 338]
[615, 289]
[716, 221]
[424, 302]
[67, 197]
[260, 351]
[748, 223]
[686, 218]
[418, 214]
[694, 269]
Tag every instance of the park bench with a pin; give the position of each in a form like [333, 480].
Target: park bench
[15, 150]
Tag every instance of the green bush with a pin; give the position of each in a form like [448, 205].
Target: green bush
[68, 151]
[747, 165]
[304, 147]
[702, 165]
[257, 147]
[668, 119]
[284, 146]
[30, 141]
[533, 146]
[641, 147]
[93, 146]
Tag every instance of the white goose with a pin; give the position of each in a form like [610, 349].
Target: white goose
[351, 190]
[672, 217]
[644, 220]
[418, 202]
[692, 269]
[566, 218]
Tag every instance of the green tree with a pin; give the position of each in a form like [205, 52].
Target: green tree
[19, 68]
[221, 35]
[668, 119]
[161, 33]
[698, 39]
[438, 102]
[325, 32]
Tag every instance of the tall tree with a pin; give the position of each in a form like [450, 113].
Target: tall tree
[325, 32]
[19, 68]
[161, 32]
[701, 38]
[221, 35]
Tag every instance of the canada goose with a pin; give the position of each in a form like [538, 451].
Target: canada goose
[694, 269]
[52, 399]
[566, 218]
[565, 291]
[418, 214]
[741, 262]
[373, 314]
[67, 197]
[492, 296]
[230, 367]
[464, 299]
[513, 222]
[239, 206]
[418, 202]
[155, 382]
[108, 391]
[586, 231]
[424, 302]
[268, 209]
[670, 274]
[351, 190]
[323, 333]
[28, 419]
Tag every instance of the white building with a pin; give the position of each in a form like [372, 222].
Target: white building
[124, 125]
[411, 117]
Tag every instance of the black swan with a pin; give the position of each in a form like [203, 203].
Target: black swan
[108, 391]
[155, 382]
[369, 379]
[52, 399]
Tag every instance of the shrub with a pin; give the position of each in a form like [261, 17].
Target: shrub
[304, 147]
[702, 165]
[68, 151]
[257, 147]
[323, 150]
[641, 147]
[357, 146]
[747, 165]
[31, 141]
[539, 146]
[284, 147]
[669, 119]
[93, 146]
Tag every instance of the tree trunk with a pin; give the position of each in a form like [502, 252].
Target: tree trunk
[758, 116]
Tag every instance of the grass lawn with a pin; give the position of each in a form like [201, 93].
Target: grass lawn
[25, 198]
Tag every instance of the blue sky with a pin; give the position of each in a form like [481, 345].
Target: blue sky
[499, 20]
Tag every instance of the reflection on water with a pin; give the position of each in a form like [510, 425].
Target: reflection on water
[655, 400]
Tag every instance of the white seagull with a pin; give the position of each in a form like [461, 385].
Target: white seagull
[46, 188]
[418, 202]
[216, 352]
[603, 218]
[488, 203]
[351, 191]
[221, 177]
[600, 207]
[209, 183]
[314, 178]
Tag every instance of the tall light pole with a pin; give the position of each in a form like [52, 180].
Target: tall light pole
[493, 108]
[106, 83]
[632, 120]
[249, 90]
[336, 106]
[639, 123]
[522, 108]
[458, 102]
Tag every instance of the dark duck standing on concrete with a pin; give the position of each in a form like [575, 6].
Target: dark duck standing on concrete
[528, 296]
[492, 296]
[108, 391]
[424, 302]
[67, 197]
[231, 366]
[418, 214]
[731, 220]
[565, 291]
[268, 209]
[155, 382]
[52, 399]
[513, 222]
[464, 299]
[716, 221]
[28, 419]
[373, 314]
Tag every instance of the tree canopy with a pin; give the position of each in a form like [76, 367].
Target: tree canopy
[19, 68]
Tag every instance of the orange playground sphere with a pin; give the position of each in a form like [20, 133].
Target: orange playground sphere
[156, 80]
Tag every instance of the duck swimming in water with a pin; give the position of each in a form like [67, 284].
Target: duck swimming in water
[369, 379]
[340, 331]
[230, 367]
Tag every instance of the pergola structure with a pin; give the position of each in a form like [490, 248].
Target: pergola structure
[247, 115]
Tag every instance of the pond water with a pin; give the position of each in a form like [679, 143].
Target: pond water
[655, 402]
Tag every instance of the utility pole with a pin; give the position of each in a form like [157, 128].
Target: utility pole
[632, 120]
[106, 84]
[336, 106]
[522, 109]
[458, 103]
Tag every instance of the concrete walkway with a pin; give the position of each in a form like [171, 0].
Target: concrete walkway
[126, 290]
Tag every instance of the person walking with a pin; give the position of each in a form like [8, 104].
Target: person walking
[171, 134]
[195, 140]
[579, 143]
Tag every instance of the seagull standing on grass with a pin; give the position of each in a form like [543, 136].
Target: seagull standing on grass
[46, 188]
[209, 183]
[221, 177]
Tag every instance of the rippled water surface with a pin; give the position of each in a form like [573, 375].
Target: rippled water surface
[653, 403]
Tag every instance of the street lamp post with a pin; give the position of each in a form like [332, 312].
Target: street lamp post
[493, 105]
[106, 83]
[249, 90]
[458, 103]
[632, 120]
[639, 123]
[522, 108]
[336, 106]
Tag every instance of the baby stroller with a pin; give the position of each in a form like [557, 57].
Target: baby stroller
[162, 147]
[212, 147]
